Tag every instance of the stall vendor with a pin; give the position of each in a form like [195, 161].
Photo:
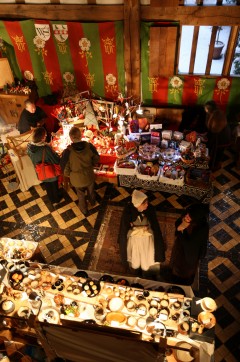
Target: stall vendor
[219, 134]
[140, 238]
[31, 117]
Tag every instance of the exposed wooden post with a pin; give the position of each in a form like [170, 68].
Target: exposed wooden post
[134, 26]
[211, 49]
[230, 51]
[194, 49]
[127, 47]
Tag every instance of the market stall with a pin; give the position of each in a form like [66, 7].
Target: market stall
[160, 160]
[73, 309]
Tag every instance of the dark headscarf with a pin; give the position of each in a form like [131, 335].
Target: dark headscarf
[197, 212]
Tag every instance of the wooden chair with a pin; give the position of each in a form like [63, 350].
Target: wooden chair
[19, 144]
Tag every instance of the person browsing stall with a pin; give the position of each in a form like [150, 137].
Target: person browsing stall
[192, 231]
[77, 162]
[32, 116]
[140, 238]
[35, 151]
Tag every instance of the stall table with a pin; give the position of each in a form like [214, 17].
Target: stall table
[73, 310]
[203, 194]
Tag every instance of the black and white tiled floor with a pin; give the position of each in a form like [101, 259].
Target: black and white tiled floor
[67, 238]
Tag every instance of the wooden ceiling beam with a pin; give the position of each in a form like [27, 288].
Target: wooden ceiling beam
[186, 15]
[62, 12]
[193, 15]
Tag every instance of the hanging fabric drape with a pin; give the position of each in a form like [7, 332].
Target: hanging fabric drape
[66, 55]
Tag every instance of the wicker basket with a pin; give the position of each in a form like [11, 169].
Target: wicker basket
[148, 177]
[188, 162]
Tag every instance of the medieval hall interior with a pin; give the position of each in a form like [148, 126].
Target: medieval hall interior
[119, 180]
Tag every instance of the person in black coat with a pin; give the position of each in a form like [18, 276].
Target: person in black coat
[140, 238]
[192, 231]
[31, 117]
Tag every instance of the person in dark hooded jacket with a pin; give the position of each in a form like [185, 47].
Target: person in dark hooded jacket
[77, 163]
[192, 231]
[35, 152]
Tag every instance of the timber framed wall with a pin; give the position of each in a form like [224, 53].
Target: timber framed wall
[131, 12]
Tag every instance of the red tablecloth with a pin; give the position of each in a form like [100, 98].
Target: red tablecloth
[52, 124]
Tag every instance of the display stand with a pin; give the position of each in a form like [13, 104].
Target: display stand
[62, 307]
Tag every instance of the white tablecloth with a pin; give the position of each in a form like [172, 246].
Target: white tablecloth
[26, 174]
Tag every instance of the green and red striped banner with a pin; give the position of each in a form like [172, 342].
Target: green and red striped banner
[84, 56]
[183, 89]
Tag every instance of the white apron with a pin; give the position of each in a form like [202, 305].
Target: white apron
[140, 247]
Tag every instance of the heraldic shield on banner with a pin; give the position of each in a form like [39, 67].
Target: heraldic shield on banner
[43, 31]
[60, 32]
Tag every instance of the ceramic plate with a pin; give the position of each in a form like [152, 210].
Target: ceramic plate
[49, 315]
[183, 356]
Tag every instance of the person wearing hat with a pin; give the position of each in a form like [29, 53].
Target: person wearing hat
[192, 231]
[140, 238]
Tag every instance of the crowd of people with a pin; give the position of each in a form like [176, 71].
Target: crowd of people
[140, 238]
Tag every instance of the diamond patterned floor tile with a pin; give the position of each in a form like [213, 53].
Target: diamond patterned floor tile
[67, 238]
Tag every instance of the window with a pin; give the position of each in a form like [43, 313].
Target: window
[235, 69]
[203, 51]
[209, 2]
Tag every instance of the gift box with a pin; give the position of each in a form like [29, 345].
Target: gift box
[167, 134]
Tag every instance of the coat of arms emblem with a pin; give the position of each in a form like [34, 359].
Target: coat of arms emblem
[43, 31]
[60, 32]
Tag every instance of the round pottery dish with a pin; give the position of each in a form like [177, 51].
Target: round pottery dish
[207, 319]
[130, 305]
[208, 304]
[115, 318]
[7, 306]
[141, 309]
[50, 315]
[106, 278]
[16, 278]
[123, 281]
[115, 304]
[183, 356]
[81, 274]
[164, 314]
[141, 323]
[184, 327]
[131, 321]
